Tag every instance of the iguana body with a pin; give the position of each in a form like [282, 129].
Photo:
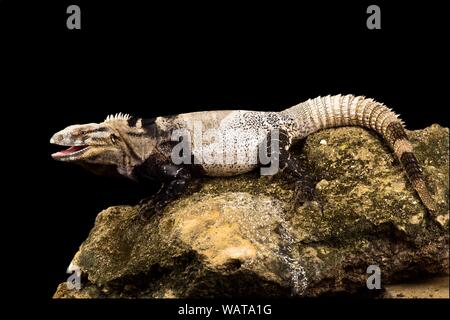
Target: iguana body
[143, 149]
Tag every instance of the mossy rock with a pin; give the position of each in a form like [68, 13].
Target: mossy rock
[238, 236]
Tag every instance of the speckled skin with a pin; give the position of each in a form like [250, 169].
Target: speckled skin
[239, 130]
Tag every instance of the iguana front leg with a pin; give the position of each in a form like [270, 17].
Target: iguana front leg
[175, 182]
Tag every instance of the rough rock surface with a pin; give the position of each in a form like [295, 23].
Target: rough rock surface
[239, 237]
[433, 288]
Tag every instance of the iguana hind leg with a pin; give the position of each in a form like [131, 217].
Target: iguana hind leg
[305, 182]
[277, 146]
[298, 170]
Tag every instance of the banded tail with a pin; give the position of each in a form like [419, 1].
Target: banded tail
[348, 110]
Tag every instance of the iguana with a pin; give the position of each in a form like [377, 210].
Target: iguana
[143, 148]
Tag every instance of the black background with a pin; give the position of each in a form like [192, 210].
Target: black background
[166, 58]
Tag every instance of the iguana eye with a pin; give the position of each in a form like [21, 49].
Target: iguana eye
[114, 138]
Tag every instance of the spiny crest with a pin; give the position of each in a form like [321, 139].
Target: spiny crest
[118, 116]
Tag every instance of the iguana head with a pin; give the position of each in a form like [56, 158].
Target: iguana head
[120, 141]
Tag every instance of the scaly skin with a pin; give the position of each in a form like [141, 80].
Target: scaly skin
[142, 148]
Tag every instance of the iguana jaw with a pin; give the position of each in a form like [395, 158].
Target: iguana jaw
[70, 154]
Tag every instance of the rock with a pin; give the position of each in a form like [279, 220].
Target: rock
[436, 288]
[238, 237]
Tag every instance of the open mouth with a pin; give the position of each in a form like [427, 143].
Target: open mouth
[71, 151]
